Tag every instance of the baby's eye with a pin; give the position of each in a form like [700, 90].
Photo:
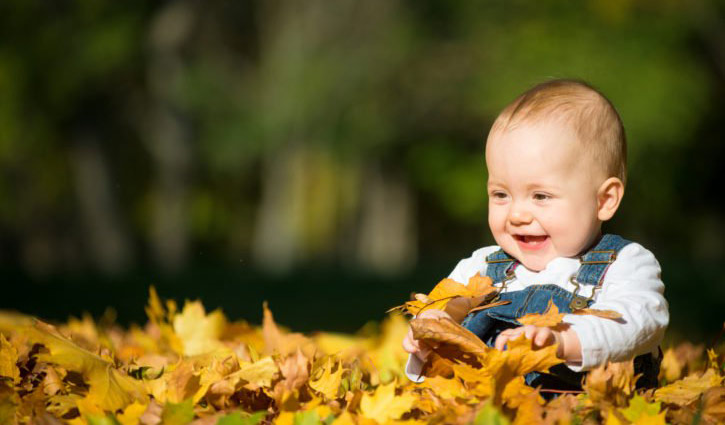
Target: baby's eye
[498, 195]
[541, 197]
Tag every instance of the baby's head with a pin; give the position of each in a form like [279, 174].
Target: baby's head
[556, 160]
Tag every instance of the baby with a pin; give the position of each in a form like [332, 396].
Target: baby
[556, 161]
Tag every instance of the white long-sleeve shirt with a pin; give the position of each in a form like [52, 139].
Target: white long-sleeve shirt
[632, 287]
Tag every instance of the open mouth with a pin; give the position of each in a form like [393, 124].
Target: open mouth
[531, 241]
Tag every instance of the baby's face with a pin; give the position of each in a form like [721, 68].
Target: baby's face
[542, 192]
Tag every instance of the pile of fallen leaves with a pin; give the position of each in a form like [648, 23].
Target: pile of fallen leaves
[192, 367]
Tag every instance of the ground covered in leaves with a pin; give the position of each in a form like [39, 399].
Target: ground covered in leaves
[187, 366]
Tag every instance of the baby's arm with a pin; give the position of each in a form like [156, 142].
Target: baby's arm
[633, 288]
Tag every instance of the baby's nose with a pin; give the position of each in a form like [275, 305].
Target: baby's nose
[520, 217]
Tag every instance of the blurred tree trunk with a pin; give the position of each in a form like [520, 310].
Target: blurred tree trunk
[387, 241]
[167, 137]
[306, 197]
[106, 241]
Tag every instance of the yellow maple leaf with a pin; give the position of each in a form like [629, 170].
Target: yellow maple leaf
[199, 332]
[670, 368]
[641, 412]
[8, 360]
[132, 413]
[326, 379]
[110, 389]
[344, 419]
[518, 360]
[529, 410]
[689, 389]
[285, 418]
[181, 382]
[447, 388]
[383, 405]
[260, 373]
[613, 382]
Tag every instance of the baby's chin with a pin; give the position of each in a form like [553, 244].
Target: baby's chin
[534, 262]
[535, 266]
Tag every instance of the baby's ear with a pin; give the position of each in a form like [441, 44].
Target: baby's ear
[609, 196]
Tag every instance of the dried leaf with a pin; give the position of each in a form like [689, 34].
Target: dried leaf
[131, 415]
[199, 332]
[437, 332]
[530, 411]
[518, 360]
[613, 382]
[454, 297]
[8, 360]
[604, 314]
[383, 405]
[109, 388]
[687, 390]
[550, 318]
[327, 378]
[642, 412]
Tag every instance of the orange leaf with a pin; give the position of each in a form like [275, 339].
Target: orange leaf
[551, 317]
[613, 382]
[454, 297]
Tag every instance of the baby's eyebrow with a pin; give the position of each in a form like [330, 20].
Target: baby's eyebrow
[541, 186]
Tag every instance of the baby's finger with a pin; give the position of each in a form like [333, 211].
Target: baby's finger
[543, 338]
[501, 341]
[410, 345]
[530, 331]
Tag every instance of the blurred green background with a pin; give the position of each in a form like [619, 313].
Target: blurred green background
[327, 156]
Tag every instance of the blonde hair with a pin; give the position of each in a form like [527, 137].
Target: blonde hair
[577, 104]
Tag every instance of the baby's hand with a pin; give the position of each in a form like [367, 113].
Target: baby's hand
[419, 348]
[541, 336]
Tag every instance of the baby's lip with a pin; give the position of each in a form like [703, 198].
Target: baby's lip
[533, 239]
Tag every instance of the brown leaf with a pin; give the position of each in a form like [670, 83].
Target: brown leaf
[613, 382]
[605, 314]
[561, 410]
[490, 305]
[713, 404]
[451, 342]
[52, 383]
[515, 362]
[295, 371]
[447, 331]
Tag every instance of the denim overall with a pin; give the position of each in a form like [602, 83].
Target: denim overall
[488, 324]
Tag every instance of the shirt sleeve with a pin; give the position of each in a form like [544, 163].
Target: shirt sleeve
[464, 270]
[632, 287]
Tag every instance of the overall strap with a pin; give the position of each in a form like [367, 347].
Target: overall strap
[595, 262]
[500, 266]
